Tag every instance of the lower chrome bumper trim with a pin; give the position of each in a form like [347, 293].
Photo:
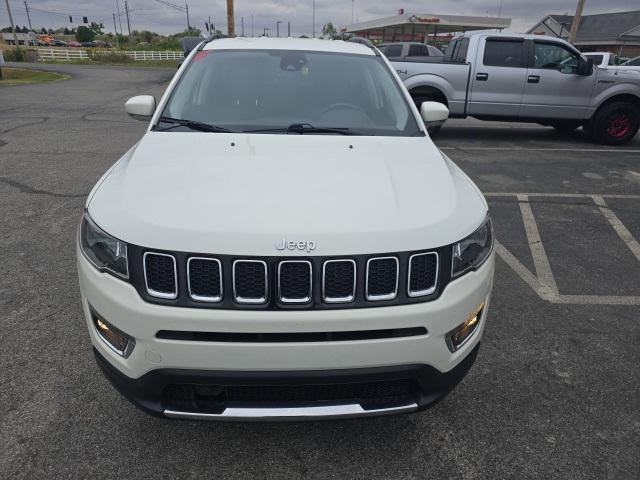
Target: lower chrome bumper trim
[291, 413]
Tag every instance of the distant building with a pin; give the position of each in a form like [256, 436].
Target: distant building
[23, 38]
[423, 27]
[617, 32]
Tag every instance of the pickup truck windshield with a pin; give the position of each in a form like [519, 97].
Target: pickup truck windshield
[272, 90]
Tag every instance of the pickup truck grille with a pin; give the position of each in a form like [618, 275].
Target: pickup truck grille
[203, 281]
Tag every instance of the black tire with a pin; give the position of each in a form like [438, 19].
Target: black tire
[432, 131]
[566, 125]
[616, 123]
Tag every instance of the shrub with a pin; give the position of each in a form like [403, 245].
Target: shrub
[14, 55]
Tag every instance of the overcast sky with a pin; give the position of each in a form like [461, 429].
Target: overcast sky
[153, 15]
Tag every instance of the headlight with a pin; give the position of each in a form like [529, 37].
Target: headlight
[105, 252]
[471, 252]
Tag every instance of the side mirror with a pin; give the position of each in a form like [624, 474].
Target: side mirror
[433, 114]
[585, 66]
[141, 107]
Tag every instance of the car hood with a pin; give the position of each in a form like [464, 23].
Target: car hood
[241, 194]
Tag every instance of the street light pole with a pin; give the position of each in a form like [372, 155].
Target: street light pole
[13, 27]
[313, 19]
[278, 28]
[115, 28]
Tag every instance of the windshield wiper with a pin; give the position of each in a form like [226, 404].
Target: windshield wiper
[303, 128]
[191, 124]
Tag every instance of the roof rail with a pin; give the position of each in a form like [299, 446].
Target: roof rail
[366, 42]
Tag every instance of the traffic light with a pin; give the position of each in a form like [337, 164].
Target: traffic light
[70, 19]
[85, 20]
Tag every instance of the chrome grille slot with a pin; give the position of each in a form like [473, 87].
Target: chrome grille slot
[423, 274]
[204, 279]
[160, 275]
[250, 283]
[295, 281]
[382, 278]
[338, 281]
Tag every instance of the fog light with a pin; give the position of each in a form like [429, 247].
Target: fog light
[459, 335]
[116, 339]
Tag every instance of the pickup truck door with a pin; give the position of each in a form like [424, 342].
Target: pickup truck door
[497, 82]
[554, 89]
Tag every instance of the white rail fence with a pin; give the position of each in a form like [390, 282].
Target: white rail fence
[75, 54]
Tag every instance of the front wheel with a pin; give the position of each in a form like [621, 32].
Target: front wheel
[616, 123]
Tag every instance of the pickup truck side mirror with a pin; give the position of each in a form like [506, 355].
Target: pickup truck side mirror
[141, 107]
[585, 66]
[433, 113]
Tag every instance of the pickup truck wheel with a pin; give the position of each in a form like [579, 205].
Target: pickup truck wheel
[616, 123]
[433, 131]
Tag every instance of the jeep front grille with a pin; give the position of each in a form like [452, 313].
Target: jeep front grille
[161, 280]
[232, 282]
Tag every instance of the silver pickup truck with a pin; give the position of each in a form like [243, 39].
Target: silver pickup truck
[527, 78]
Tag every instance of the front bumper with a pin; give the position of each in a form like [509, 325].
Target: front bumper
[156, 363]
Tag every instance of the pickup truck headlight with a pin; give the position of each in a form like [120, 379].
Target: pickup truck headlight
[106, 253]
[472, 251]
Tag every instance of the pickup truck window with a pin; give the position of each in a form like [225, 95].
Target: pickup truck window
[248, 90]
[394, 51]
[554, 56]
[503, 53]
[634, 63]
[457, 50]
[418, 51]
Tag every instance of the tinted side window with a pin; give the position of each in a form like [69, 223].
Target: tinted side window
[553, 56]
[461, 54]
[418, 51]
[634, 63]
[503, 53]
[383, 49]
[450, 52]
[597, 59]
[394, 51]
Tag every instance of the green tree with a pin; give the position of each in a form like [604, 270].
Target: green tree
[96, 28]
[85, 34]
[329, 31]
[147, 36]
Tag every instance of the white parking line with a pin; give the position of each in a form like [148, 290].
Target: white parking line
[540, 259]
[618, 226]
[543, 149]
[544, 283]
[561, 195]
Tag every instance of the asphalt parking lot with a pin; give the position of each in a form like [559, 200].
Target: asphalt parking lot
[555, 392]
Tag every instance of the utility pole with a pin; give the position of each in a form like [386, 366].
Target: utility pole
[576, 21]
[353, 4]
[26, 7]
[242, 22]
[210, 32]
[126, 9]
[288, 29]
[186, 7]
[13, 27]
[313, 19]
[278, 28]
[119, 16]
[115, 27]
[252, 25]
[231, 30]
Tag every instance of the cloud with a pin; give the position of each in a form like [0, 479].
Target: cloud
[153, 15]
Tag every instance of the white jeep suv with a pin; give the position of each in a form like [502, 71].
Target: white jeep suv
[285, 241]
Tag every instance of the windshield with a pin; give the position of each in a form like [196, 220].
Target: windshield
[267, 90]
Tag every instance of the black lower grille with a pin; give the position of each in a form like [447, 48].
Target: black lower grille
[205, 279]
[250, 281]
[160, 275]
[423, 273]
[204, 398]
[382, 278]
